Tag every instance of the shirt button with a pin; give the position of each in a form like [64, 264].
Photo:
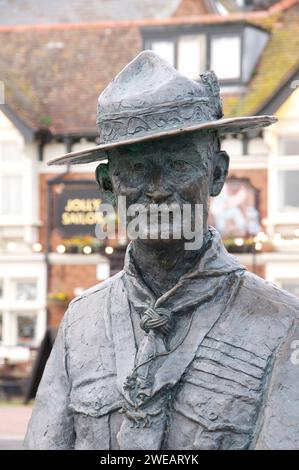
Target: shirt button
[212, 416]
[97, 405]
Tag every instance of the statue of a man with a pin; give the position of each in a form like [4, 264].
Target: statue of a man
[183, 349]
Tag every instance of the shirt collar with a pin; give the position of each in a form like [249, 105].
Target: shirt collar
[214, 262]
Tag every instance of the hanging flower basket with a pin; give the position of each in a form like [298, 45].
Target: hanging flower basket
[78, 243]
[59, 299]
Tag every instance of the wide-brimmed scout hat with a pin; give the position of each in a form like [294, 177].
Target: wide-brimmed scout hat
[150, 100]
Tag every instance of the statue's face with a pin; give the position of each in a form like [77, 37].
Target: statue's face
[180, 170]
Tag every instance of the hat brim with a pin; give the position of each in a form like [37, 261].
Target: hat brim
[223, 126]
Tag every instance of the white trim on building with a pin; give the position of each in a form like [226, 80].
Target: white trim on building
[283, 215]
[23, 296]
[284, 273]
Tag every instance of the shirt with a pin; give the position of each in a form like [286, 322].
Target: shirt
[222, 377]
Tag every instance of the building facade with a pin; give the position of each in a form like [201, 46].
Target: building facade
[51, 75]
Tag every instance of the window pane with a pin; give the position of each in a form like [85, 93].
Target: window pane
[10, 151]
[226, 57]
[289, 145]
[25, 290]
[26, 330]
[164, 49]
[191, 55]
[11, 195]
[288, 190]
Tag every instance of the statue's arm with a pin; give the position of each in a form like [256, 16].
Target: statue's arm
[279, 424]
[51, 424]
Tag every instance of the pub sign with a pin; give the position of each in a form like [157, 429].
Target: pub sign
[76, 210]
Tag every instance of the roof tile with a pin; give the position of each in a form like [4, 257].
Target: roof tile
[54, 74]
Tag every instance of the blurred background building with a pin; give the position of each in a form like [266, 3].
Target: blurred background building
[55, 58]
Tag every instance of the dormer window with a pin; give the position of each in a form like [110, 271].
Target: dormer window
[226, 57]
[187, 53]
[232, 50]
[192, 55]
[165, 49]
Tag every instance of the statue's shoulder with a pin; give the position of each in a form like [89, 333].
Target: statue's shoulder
[278, 427]
[87, 320]
[276, 327]
[93, 301]
[98, 290]
[265, 293]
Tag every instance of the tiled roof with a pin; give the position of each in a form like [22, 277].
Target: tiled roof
[53, 74]
[14, 12]
[279, 59]
[76, 11]
[53, 77]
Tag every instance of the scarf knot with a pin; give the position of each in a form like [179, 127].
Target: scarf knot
[158, 319]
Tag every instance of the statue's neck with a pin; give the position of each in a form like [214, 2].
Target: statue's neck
[162, 266]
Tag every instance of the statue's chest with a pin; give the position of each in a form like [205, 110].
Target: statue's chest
[216, 404]
[219, 398]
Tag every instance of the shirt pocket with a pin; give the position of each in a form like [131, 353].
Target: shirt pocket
[221, 392]
[93, 400]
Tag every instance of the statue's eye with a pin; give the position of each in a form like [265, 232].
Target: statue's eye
[138, 167]
[178, 165]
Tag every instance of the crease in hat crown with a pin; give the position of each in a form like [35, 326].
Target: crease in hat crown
[149, 99]
[149, 95]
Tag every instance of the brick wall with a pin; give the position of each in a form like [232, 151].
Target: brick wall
[66, 278]
[62, 278]
[259, 270]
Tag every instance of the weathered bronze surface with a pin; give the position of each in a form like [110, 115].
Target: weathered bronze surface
[181, 349]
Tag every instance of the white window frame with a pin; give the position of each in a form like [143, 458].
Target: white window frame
[17, 279]
[201, 39]
[12, 308]
[24, 167]
[282, 271]
[14, 326]
[13, 217]
[276, 165]
[15, 141]
[227, 36]
[175, 40]
[172, 43]
[283, 138]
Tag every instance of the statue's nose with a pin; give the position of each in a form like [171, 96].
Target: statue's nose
[158, 196]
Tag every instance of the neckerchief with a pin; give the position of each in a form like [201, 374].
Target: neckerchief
[149, 372]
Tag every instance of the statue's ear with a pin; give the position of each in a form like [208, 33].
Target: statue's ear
[104, 181]
[221, 163]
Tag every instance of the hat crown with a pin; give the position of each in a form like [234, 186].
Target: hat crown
[149, 100]
[149, 95]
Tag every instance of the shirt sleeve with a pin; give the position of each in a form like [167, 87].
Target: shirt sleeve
[51, 425]
[279, 427]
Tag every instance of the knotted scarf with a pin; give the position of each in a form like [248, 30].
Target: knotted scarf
[170, 329]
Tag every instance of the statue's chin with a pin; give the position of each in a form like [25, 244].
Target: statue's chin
[161, 233]
[157, 236]
[161, 242]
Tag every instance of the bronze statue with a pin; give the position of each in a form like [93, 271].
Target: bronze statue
[183, 349]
